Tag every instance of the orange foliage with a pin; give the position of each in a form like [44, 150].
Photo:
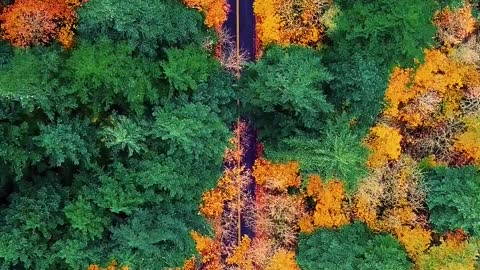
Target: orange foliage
[240, 256]
[215, 11]
[306, 224]
[415, 240]
[468, 142]
[287, 22]
[188, 264]
[366, 211]
[212, 204]
[113, 266]
[384, 142]
[209, 250]
[432, 93]
[331, 209]
[283, 260]
[37, 22]
[276, 176]
[455, 26]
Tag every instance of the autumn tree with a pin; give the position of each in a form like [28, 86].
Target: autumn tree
[455, 251]
[454, 26]
[286, 22]
[33, 22]
[215, 11]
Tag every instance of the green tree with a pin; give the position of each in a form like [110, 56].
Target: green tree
[453, 198]
[358, 88]
[351, 247]
[392, 32]
[145, 25]
[108, 75]
[284, 91]
[30, 224]
[336, 153]
[187, 68]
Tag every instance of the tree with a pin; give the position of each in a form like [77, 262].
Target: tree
[129, 83]
[215, 11]
[351, 247]
[187, 68]
[453, 200]
[336, 153]
[284, 91]
[384, 144]
[331, 209]
[357, 88]
[384, 30]
[285, 22]
[32, 222]
[34, 22]
[143, 25]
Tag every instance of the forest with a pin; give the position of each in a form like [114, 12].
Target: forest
[145, 135]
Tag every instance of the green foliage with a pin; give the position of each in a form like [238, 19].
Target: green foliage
[149, 240]
[453, 198]
[107, 74]
[145, 25]
[187, 68]
[16, 151]
[191, 129]
[63, 142]
[358, 88]
[392, 32]
[124, 134]
[86, 217]
[337, 153]
[284, 91]
[29, 80]
[351, 247]
[101, 127]
[33, 220]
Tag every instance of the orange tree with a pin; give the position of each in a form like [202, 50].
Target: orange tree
[35, 22]
[286, 22]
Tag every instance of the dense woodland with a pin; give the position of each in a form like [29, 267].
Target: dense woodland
[121, 146]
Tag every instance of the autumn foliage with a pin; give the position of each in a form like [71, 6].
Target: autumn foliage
[37, 22]
[455, 252]
[331, 208]
[454, 26]
[272, 214]
[215, 11]
[112, 266]
[431, 116]
[287, 22]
